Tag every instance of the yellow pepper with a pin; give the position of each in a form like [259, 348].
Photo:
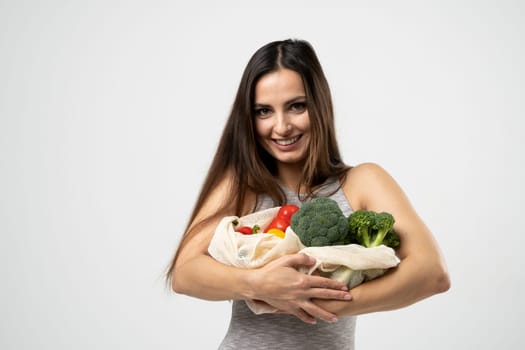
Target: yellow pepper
[276, 232]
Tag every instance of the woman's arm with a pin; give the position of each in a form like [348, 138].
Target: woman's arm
[422, 271]
[278, 283]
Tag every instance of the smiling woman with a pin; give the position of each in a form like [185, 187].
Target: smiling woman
[282, 122]
[279, 147]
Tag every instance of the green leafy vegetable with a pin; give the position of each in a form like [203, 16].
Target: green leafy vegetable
[371, 229]
[320, 222]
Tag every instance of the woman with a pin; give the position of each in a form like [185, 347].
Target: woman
[278, 147]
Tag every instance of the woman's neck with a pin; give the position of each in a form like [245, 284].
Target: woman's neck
[290, 175]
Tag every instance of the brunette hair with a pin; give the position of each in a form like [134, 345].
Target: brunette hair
[239, 154]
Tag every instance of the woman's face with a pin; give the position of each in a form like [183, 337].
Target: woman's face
[282, 122]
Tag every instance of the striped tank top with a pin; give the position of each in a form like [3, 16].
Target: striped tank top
[287, 332]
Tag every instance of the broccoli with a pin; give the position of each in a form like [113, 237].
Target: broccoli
[320, 222]
[392, 239]
[371, 229]
[360, 224]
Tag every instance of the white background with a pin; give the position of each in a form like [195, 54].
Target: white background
[110, 112]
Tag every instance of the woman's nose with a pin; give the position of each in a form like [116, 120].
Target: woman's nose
[282, 126]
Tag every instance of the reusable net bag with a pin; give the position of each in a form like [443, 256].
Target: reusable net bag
[352, 263]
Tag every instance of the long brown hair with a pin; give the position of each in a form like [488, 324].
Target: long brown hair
[239, 154]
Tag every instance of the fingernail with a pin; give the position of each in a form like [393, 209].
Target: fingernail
[345, 288]
[333, 319]
[347, 297]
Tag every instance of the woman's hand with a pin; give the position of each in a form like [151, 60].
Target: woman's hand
[280, 285]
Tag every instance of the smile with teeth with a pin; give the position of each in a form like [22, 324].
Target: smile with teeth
[287, 141]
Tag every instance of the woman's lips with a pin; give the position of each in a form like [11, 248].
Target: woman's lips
[287, 142]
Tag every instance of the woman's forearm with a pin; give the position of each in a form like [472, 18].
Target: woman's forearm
[411, 281]
[205, 278]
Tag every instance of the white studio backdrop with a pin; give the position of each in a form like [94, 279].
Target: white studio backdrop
[110, 112]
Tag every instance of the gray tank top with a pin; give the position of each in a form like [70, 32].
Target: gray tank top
[279, 331]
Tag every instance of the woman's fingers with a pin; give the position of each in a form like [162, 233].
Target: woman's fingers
[309, 312]
[300, 259]
[296, 260]
[325, 282]
[321, 293]
[304, 316]
[318, 313]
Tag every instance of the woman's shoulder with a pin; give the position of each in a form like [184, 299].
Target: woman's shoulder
[363, 181]
[222, 193]
[364, 171]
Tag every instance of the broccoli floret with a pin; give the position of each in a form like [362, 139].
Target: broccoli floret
[371, 229]
[360, 224]
[320, 222]
[384, 223]
[392, 239]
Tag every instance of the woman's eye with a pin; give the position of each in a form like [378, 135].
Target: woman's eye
[262, 112]
[298, 107]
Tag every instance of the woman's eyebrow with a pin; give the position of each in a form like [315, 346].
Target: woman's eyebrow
[290, 101]
[295, 99]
